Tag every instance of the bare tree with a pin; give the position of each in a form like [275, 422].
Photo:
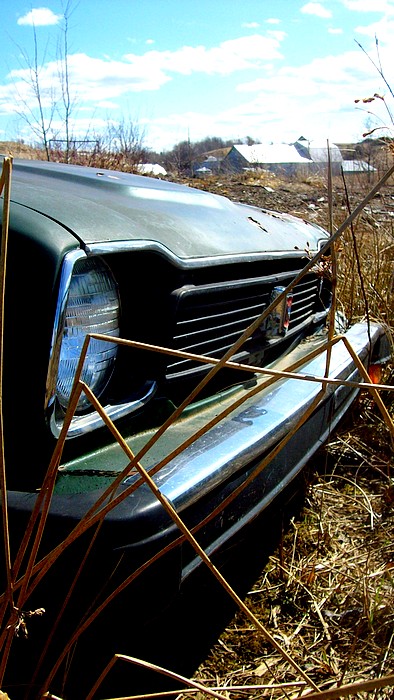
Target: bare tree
[126, 140]
[40, 112]
[38, 117]
[64, 78]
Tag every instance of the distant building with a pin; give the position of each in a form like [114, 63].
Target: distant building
[303, 157]
[357, 166]
[279, 158]
[211, 161]
[318, 153]
[203, 171]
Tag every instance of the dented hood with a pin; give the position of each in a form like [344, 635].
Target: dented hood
[103, 206]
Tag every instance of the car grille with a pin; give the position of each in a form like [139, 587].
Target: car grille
[210, 318]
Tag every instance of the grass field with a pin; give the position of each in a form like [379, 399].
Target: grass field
[326, 596]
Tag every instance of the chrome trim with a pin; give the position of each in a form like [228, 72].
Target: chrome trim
[185, 264]
[319, 316]
[80, 425]
[253, 428]
[269, 496]
[65, 277]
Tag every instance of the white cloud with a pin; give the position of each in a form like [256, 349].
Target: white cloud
[382, 29]
[337, 30]
[277, 34]
[250, 25]
[367, 6]
[39, 17]
[273, 20]
[82, 126]
[334, 73]
[106, 104]
[316, 9]
[98, 80]
[316, 99]
[319, 96]
[7, 103]
[233, 55]
[265, 118]
[150, 41]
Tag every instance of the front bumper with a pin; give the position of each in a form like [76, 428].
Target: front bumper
[201, 476]
[197, 481]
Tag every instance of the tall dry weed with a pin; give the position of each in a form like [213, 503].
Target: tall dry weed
[366, 273]
[363, 288]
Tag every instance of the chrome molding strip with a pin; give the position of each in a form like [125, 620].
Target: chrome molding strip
[65, 277]
[268, 497]
[80, 425]
[186, 264]
[253, 428]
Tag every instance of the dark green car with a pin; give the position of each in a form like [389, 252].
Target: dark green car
[165, 266]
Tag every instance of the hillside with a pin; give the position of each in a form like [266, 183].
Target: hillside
[19, 150]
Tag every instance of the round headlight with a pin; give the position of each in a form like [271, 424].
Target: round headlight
[92, 307]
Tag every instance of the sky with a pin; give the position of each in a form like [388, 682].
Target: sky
[272, 70]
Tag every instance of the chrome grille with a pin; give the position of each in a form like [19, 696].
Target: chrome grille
[305, 296]
[209, 319]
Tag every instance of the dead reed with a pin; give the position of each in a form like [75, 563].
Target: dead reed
[325, 602]
[327, 594]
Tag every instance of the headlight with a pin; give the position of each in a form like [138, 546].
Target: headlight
[92, 307]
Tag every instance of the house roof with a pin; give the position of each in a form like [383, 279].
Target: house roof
[259, 153]
[317, 150]
[357, 166]
[218, 153]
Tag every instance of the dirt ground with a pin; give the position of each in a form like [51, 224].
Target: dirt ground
[327, 594]
[304, 197]
[307, 198]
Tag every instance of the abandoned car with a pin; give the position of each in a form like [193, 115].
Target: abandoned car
[167, 280]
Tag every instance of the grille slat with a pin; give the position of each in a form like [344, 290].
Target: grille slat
[304, 301]
[215, 331]
[227, 318]
[209, 319]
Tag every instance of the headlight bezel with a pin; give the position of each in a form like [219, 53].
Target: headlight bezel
[87, 419]
[92, 307]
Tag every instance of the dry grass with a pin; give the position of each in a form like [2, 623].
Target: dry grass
[18, 149]
[366, 273]
[327, 594]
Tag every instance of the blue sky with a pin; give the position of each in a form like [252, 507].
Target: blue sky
[270, 69]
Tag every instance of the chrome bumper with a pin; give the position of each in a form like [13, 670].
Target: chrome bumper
[252, 429]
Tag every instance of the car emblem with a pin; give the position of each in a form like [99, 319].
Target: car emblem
[277, 322]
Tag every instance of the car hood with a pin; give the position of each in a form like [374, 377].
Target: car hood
[103, 206]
